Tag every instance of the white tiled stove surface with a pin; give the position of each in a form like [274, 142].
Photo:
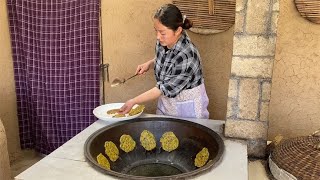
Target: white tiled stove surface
[68, 161]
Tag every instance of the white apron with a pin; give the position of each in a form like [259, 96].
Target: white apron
[190, 103]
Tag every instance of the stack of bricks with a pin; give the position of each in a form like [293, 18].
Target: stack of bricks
[251, 73]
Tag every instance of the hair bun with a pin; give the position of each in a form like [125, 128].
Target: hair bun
[187, 24]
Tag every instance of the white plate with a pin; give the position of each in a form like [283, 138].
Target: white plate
[101, 112]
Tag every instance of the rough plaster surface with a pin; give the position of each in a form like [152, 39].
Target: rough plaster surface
[8, 112]
[295, 93]
[216, 54]
[129, 40]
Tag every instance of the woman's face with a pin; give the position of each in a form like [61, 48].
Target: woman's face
[167, 37]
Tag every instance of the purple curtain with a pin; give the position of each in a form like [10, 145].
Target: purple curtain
[56, 56]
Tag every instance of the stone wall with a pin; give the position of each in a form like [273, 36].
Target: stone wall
[251, 72]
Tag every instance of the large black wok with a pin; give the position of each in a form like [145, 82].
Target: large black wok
[156, 164]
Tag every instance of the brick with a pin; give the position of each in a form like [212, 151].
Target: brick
[239, 21]
[264, 111]
[254, 45]
[266, 91]
[233, 88]
[252, 67]
[274, 22]
[275, 6]
[231, 108]
[248, 99]
[257, 16]
[245, 129]
[240, 4]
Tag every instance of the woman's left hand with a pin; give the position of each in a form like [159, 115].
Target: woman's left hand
[127, 107]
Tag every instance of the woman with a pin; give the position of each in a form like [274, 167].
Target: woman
[180, 84]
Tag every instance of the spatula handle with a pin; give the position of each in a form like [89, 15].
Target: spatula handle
[132, 77]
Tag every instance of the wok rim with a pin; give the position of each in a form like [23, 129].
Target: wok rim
[199, 171]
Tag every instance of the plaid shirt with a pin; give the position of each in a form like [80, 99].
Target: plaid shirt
[178, 68]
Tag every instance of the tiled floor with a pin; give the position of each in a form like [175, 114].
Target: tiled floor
[258, 169]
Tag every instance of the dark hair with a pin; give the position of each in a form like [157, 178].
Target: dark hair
[170, 16]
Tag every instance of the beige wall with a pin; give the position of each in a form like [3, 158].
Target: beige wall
[295, 94]
[8, 105]
[216, 54]
[129, 40]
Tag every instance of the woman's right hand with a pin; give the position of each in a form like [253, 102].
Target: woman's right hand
[143, 68]
[127, 107]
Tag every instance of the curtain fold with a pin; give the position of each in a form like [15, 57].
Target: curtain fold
[56, 56]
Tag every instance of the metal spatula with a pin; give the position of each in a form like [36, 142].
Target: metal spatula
[118, 81]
